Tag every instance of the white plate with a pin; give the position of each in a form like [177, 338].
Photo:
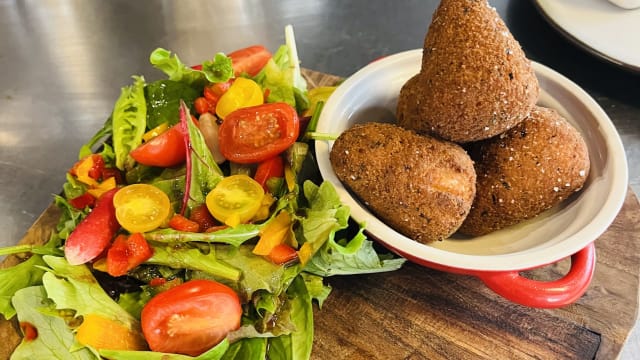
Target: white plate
[371, 95]
[600, 27]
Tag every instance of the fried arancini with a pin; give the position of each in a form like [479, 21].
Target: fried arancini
[525, 171]
[421, 186]
[475, 81]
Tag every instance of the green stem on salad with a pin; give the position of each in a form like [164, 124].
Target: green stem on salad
[34, 249]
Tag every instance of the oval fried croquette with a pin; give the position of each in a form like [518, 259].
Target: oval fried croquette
[475, 81]
[525, 171]
[421, 186]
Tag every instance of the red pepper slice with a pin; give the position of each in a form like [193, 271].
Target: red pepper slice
[82, 201]
[202, 216]
[126, 253]
[181, 223]
[267, 169]
[257, 133]
[282, 254]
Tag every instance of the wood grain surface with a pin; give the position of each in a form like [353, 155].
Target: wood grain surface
[420, 313]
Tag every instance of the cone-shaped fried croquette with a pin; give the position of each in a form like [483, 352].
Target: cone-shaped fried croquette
[475, 81]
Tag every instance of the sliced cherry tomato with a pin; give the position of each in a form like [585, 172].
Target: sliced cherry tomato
[202, 216]
[165, 150]
[242, 93]
[267, 169]
[235, 199]
[190, 318]
[94, 234]
[282, 254]
[249, 60]
[255, 134]
[181, 223]
[141, 207]
[82, 201]
[126, 253]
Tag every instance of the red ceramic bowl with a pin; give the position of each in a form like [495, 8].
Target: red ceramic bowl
[568, 230]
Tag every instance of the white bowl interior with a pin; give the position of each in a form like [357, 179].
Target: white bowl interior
[371, 95]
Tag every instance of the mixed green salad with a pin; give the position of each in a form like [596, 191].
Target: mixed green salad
[194, 223]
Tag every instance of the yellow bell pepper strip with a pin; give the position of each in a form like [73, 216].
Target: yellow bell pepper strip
[316, 95]
[155, 131]
[275, 233]
[100, 188]
[102, 333]
[242, 93]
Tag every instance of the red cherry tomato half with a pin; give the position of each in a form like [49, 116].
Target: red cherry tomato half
[257, 133]
[190, 318]
[165, 150]
[249, 60]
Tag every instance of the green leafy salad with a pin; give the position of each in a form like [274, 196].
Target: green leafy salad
[194, 224]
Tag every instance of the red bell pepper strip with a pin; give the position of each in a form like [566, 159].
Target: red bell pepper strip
[282, 254]
[82, 201]
[181, 223]
[126, 253]
[94, 233]
[273, 167]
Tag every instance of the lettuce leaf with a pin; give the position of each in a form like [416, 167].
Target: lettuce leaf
[281, 75]
[215, 353]
[55, 338]
[15, 278]
[193, 259]
[217, 70]
[129, 122]
[342, 257]
[74, 287]
[297, 344]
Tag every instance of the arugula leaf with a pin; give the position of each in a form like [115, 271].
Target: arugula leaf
[55, 339]
[193, 259]
[129, 122]
[232, 236]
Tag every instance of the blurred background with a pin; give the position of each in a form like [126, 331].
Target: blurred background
[62, 64]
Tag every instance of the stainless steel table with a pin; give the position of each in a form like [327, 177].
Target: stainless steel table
[62, 64]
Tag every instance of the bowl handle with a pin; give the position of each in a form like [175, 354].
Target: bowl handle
[545, 294]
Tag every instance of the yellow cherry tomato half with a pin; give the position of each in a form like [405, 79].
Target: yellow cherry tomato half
[141, 207]
[242, 93]
[235, 200]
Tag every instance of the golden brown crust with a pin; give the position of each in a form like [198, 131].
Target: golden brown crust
[525, 171]
[475, 81]
[421, 186]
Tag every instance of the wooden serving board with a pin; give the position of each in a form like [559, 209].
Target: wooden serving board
[420, 313]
